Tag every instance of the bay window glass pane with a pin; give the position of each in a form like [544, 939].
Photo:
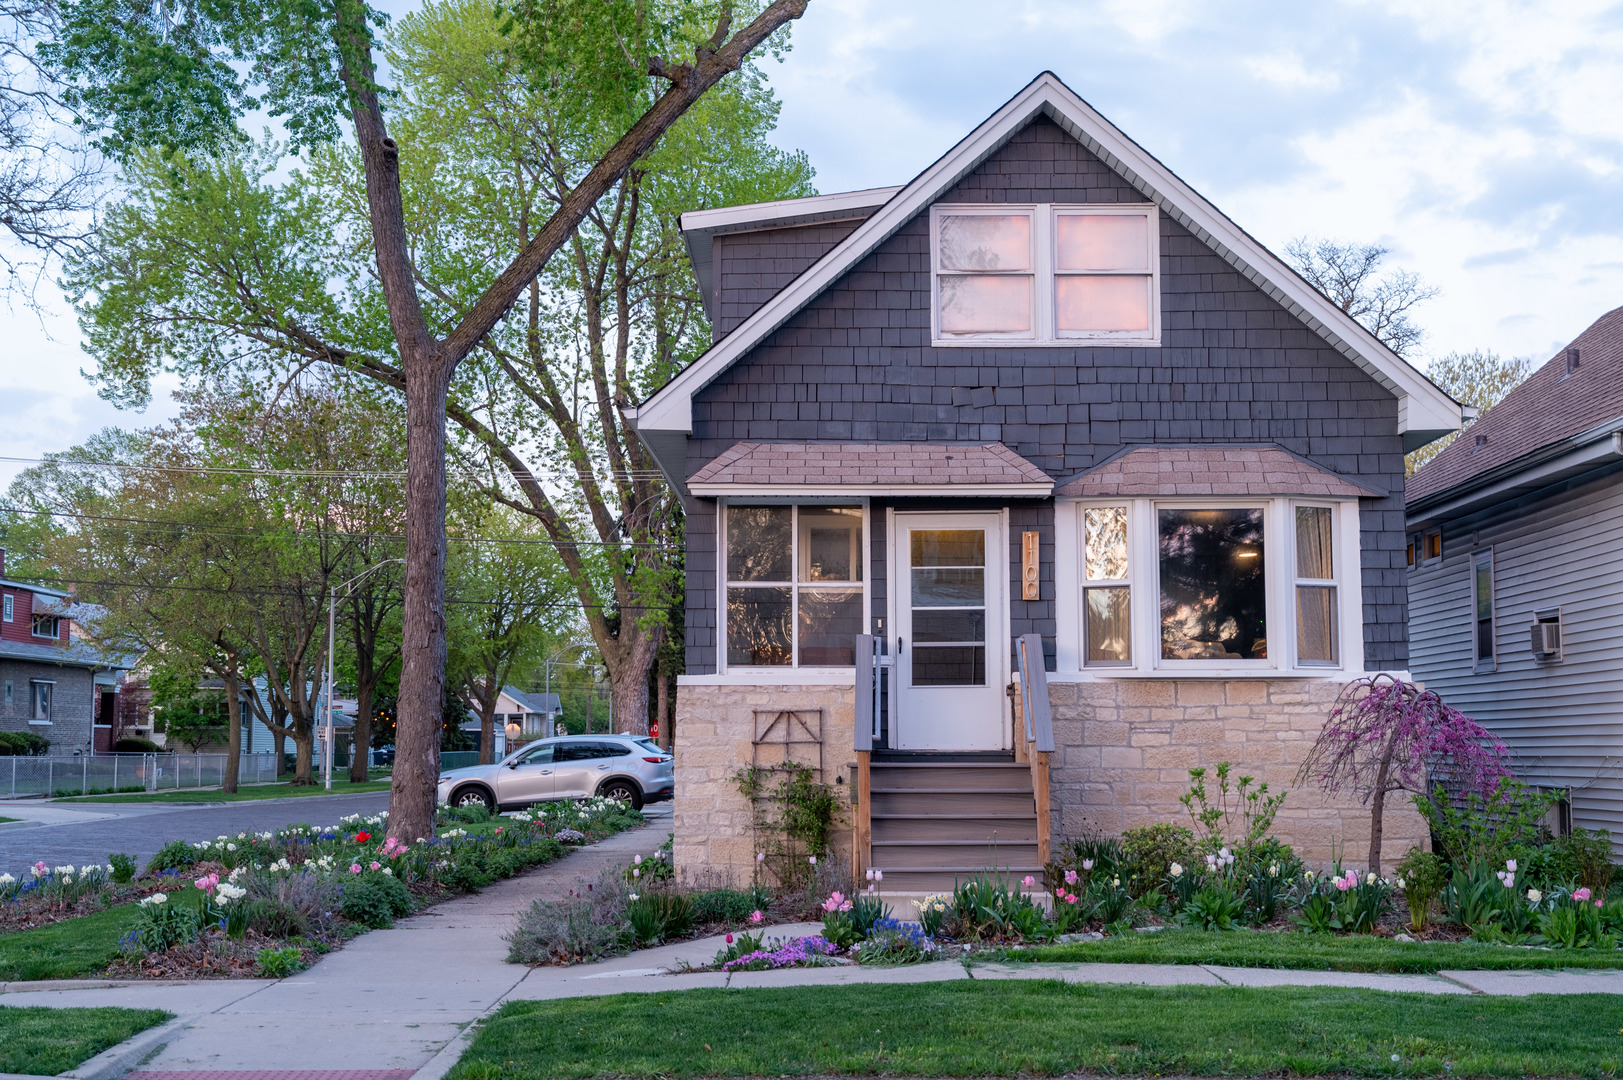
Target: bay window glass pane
[1102, 242]
[1084, 303]
[758, 543]
[1106, 528]
[1214, 595]
[1316, 624]
[830, 620]
[830, 544]
[1109, 633]
[758, 627]
[954, 665]
[1313, 557]
[985, 242]
[982, 304]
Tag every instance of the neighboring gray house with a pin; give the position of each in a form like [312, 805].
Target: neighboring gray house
[1044, 388]
[1516, 585]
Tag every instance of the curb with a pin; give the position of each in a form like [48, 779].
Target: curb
[43, 985]
[451, 1053]
[118, 1060]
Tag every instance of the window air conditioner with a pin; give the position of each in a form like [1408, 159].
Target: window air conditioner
[1546, 639]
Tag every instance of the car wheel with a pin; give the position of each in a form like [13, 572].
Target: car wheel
[474, 796]
[622, 791]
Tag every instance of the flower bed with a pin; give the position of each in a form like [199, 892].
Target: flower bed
[268, 903]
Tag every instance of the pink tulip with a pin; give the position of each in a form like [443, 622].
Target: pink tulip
[1581, 894]
[1087, 864]
[1070, 898]
[1028, 881]
[1070, 877]
[729, 939]
[355, 868]
[377, 866]
[756, 916]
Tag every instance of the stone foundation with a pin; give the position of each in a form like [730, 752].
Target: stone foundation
[1124, 748]
[716, 729]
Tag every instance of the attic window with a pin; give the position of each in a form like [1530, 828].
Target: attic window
[1045, 274]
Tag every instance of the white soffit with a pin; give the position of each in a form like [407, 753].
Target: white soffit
[1422, 405]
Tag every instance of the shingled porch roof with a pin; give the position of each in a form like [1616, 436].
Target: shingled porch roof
[1168, 471]
[849, 468]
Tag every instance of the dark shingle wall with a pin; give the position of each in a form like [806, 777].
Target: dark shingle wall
[752, 267]
[856, 364]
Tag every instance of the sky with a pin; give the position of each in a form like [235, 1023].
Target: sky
[1481, 141]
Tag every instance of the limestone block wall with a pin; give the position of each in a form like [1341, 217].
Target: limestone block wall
[1124, 748]
[715, 736]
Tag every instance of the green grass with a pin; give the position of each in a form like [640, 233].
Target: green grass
[1021, 1028]
[256, 791]
[1314, 952]
[70, 949]
[6, 819]
[45, 1042]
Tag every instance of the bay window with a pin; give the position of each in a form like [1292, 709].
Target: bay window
[1046, 274]
[1226, 584]
[794, 585]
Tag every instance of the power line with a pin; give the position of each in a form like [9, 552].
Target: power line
[318, 474]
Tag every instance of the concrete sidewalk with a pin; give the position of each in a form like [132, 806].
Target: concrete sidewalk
[403, 999]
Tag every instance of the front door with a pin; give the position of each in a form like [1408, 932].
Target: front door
[950, 626]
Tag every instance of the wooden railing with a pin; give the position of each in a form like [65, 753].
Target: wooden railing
[867, 714]
[1039, 730]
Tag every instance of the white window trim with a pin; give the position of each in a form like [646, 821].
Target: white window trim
[9, 608]
[1044, 333]
[1279, 553]
[50, 708]
[1479, 666]
[748, 674]
[34, 623]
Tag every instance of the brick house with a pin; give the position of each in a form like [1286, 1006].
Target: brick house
[52, 682]
[1039, 430]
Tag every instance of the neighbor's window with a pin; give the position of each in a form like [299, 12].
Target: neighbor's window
[1106, 592]
[47, 626]
[794, 585]
[1482, 607]
[1315, 586]
[41, 694]
[6, 605]
[1214, 589]
[1046, 274]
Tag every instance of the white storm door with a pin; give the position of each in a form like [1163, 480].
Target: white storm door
[951, 617]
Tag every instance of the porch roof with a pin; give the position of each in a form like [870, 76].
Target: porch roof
[1168, 471]
[849, 468]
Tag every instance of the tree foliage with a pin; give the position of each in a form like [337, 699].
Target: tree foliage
[1480, 378]
[1385, 735]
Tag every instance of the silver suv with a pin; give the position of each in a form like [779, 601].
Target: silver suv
[631, 768]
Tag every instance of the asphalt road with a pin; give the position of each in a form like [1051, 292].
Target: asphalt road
[78, 833]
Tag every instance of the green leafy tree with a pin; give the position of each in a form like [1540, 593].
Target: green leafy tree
[168, 89]
[1480, 378]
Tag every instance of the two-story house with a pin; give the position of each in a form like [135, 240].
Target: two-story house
[1015, 492]
[53, 683]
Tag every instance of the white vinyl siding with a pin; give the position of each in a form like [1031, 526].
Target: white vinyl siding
[1562, 721]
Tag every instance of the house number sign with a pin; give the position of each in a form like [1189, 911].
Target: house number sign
[1028, 566]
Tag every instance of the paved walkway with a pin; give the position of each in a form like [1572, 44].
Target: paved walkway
[403, 999]
[60, 832]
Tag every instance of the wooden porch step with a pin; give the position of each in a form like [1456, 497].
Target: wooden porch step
[942, 879]
[949, 802]
[982, 828]
[907, 853]
[953, 776]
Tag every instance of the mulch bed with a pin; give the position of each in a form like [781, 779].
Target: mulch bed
[211, 956]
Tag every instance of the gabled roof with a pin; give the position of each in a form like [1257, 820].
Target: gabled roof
[1424, 411]
[1552, 412]
[539, 703]
[74, 654]
[1151, 471]
[848, 468]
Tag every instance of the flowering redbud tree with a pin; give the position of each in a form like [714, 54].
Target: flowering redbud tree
[1385, 735]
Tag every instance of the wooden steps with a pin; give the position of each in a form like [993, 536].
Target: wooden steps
[935, 823]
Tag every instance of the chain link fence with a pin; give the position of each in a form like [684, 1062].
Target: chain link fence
[108, 773]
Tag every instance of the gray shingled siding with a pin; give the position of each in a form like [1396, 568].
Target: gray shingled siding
[856, 364]
[752, 267]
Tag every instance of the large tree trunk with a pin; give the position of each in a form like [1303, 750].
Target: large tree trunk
[487, 697]
[233, 741]
[362, 752]
[303, 756]
[422, 673]
[662, 708]
[279, 741]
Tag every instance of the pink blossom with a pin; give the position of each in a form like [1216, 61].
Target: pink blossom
[377, 866]
[729, 939]
[1028, 881]
[355, 868]
[1070, 898]
[1343, 884]
[1087, 864]
[207, 882]
[756, 916]
[1059, 891]
[1070, 877]
[1581, 895]
[836, 902]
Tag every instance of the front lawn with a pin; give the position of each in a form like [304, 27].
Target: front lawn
[3, 820]
[966, 1028]
[44, 1042]
[1315, 952]
[243, 794]
[71, 949]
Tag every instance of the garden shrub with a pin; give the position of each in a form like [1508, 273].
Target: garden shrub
[1472, 829]
[655, 916]
[165, 922]
[134, 745]
[123, 868]
[1236, 817]
[374, 900]
[279, 963]
[1215, 906]
[1583, 858]
[587, 923]
[277, 919]
[22, 744]
[722, 905]
[1421, 876]
[308, 897]
[175, 855]
[1149, 851]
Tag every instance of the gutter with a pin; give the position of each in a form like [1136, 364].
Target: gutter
[1599, 446]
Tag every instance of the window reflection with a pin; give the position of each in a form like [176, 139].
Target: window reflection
[1213, 585]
